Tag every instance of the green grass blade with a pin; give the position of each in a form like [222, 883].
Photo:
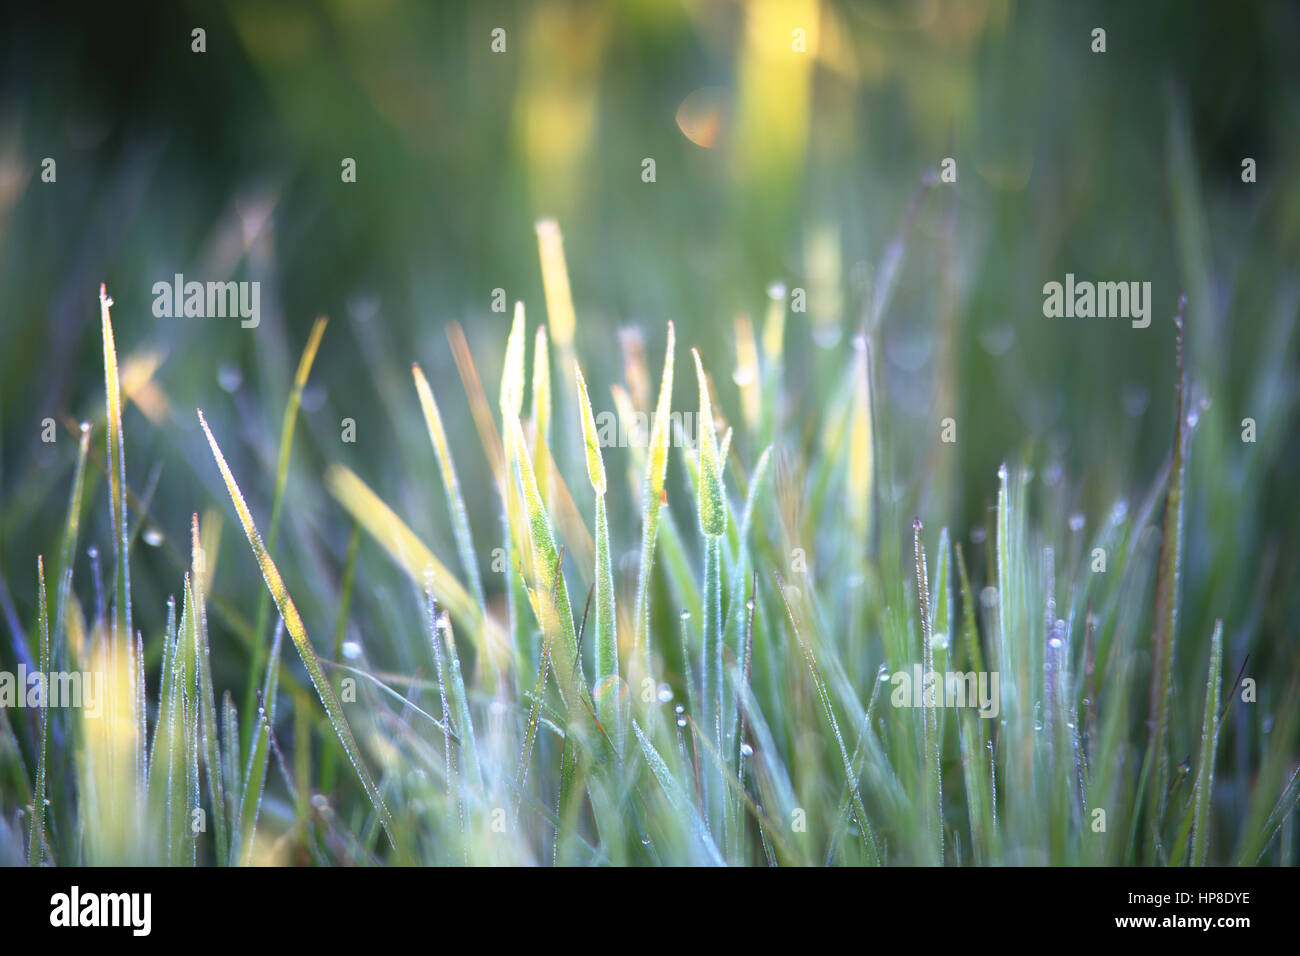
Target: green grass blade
[1204, 787]
[251, 802]
[652, 494]
[608, 695]
[258, 659]
[210, 743]
[293, 621]
[451, 484]
[37, 835]
[1165, 629]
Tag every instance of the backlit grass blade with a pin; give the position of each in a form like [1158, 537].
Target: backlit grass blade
[510, 398]
[258, 659]
[37, 834]
[414, 557]
[207, 713]
[608, 693]
[652, 495]
[451, 484]
[293, 621]
[542, 413]
[550, 594]
[555, 281]
[116, 476]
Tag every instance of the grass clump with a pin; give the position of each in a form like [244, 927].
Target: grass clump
[735, 692]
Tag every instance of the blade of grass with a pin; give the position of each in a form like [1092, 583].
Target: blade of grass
[257, 661]
[37, 834]
[451, 485]
[652, 495]
[1165, 628]
[298, 632]
[608, 703]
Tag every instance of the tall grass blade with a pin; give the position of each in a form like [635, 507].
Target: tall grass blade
[298, 632]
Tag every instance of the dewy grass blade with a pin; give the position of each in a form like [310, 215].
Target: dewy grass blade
[258, 659]
[1165, 629]
[116, 475]
[542, 414]
[298, 632]
[451, 485]
[413, 556]
[211, 747]
[37, 835]
[652, 495]
[1204, 786]
[929, 718]
[251, 802]
[608, 695]
[846, 764]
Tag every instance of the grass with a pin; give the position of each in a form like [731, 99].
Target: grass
[724, 694]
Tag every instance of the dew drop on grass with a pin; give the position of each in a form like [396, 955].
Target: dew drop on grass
[351, 650]
[826, 336]
[977, 535]
[229, 376]
[940, 641]
[776, 290]
[1054, 643]
[1076, 521]
[153, 537]
[989, 596]
[665, 693]
[883, 674]
[1135, 399]
[746, 750]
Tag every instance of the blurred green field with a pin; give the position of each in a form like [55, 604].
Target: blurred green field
[796, 150]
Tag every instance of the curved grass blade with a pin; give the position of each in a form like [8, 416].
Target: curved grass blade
[257, 660]
[298, 632]
[450, 483]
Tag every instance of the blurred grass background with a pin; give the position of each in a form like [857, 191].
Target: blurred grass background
[771, 166]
